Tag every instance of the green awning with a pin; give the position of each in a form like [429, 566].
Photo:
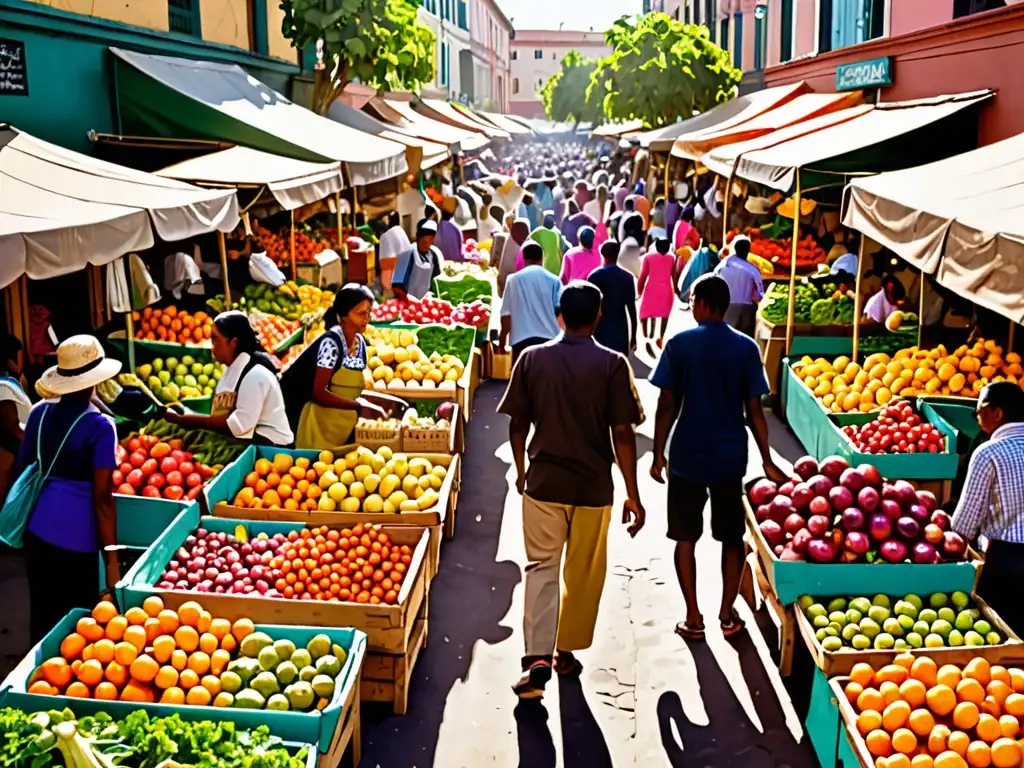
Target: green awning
[890, 137]
[180, 98]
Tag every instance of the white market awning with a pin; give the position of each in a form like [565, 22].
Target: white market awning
[61, 210]
[960, 219]
[293, 183]
[178, 98]
[823, 151]
[444, 111]
[432, 130]
[419, 153]
[615, 130]
[507, 124]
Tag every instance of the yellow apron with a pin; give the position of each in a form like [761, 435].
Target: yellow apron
[322, 428]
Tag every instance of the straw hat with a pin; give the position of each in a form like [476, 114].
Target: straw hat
[81, 364]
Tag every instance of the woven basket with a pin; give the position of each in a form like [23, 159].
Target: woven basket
[379, 437]
[431, 439]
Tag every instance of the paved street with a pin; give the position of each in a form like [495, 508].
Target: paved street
[645, 698]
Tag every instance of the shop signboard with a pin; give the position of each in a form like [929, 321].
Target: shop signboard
[873, 73]
[13, 68]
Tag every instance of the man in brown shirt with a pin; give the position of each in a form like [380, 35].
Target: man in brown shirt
[580, 399]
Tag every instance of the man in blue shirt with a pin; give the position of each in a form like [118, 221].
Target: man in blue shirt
[529, 306]
[711, 381]
[617, 327]
[992, 501]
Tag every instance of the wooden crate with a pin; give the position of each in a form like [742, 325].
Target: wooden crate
[387, 627]
[431, 440]
[386, 676]
[783, 615]
[501, 366]
[436, 519]
[379, 437]
[834, 663]
[848, 721]
[348, 736]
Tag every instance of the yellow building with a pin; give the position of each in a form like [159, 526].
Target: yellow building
[65, 86]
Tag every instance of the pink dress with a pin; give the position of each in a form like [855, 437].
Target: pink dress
[655, 285]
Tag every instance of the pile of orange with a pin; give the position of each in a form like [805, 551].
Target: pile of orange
[915, 714]
[271, 330]
[172, 325]
[149, 654]
[359, 565]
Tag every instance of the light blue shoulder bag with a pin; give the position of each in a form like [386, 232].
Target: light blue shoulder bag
[22, 498]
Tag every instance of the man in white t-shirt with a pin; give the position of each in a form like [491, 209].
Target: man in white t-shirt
[888, 299]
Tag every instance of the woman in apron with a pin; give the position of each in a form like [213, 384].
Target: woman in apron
[248, 403]
[324, 386]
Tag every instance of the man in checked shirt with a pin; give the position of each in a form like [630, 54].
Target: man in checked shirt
[992, 502]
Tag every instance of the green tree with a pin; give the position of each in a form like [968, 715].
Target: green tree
[378, 41]
[661, 69]
[564, 95]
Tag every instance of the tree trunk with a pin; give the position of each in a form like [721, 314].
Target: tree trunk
[326, 89]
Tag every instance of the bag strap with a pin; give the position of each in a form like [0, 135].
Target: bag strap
[39, 442]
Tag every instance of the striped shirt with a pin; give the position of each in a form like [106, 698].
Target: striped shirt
[992, 502]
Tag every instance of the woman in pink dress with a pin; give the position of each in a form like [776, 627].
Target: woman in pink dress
[656, 292]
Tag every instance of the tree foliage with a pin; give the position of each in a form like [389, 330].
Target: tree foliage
[660, 69]
[378, 41]
[564, 95]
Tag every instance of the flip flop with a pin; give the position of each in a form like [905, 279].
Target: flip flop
[734, 626]
[567, 665]
[690, 633]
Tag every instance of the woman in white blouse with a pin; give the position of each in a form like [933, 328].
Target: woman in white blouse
[248, 403]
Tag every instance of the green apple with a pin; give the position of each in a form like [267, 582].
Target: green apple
[914, 640]
[892, 627]
[934, 641]
[900, 644]
[853, 616]
[982, 627]
[884, 641]
[879, 613]
[837, 617]
[904, 608]
[820, 621]
[831, 631]
[861, 642]
[928, 616]
[869, 627]
[973, 638]
[947, 614]
[835, 626]
[942, 628]
[882, 600]
[993, 638]
[837, 604]
[817, 609]
[906, 623]
[832, 644]
[850, 631]
[938, 600]
[861, 604]
[922, 627]
[955, 639]
[964, 621]
[916, 601]
[820, 635]
[961, 599]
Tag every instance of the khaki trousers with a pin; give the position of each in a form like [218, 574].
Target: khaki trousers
[564, 622]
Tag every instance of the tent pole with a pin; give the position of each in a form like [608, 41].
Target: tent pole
[130, 328]
[223, 248]
[294, 273]
[337, 206]
[856, 298]
[792, 267]
[920, 310]
[668, 168]
[728, 205]
[1009, 339]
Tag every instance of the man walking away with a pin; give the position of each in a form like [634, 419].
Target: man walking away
[992, 502]
[708, 377]
[745, 286]
[573, 392]
[617, 327]
[529, 308]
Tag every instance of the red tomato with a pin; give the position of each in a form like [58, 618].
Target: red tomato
[186, 468]
[151, 492]
[137, 459]
[157, 480]
[125, 490]
[118, 477]
[149, 467]
[168, 465]
[175, 478]
[174, 492]
[135, 478]
[193, 480]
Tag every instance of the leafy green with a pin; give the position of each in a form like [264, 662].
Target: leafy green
[823, 312]
[462, 289]
[24, 742]
[447, 340]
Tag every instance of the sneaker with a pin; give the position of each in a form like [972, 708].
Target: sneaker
[535, 677]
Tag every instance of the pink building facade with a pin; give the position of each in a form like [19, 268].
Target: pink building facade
[537, 55]
[490, 48]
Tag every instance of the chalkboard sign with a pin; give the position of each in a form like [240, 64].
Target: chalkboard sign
[13, 68]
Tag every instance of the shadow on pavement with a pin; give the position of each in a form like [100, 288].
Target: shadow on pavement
[536, 747]
[469, 598]
[730, 739]
[583, 743]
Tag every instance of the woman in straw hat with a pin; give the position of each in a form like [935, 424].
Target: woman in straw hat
[74, 516]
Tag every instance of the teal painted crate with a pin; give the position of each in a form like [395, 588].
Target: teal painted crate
[959, 415]
[316, 727]
[821, 345]
[141, 520]
[790, 579]
[82, 708]
[807, 418]
[822, 723]
[846, 756]
[229, 480]
[900, 466]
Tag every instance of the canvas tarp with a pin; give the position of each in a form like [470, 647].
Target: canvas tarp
[754, 104]
[506, 123]
[804, 107]
[485, 125]
[293, 183]
[615, 130]
[890, 137]
[961, 219]
[442, 111]
[721, 160]
[181, 98]
[419, 153]
[421, 126]
[60, 210]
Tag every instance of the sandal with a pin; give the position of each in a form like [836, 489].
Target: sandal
[689, 632]
[535, 677]
[567, 665]
[733, 626]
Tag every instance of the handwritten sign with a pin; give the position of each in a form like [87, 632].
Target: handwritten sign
[13, 68]
[874, 73]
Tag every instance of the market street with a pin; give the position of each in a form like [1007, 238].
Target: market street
[645, 698]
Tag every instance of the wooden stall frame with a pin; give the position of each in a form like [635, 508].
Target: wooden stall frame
[386, 676]
[348, 735]
[791, 309]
